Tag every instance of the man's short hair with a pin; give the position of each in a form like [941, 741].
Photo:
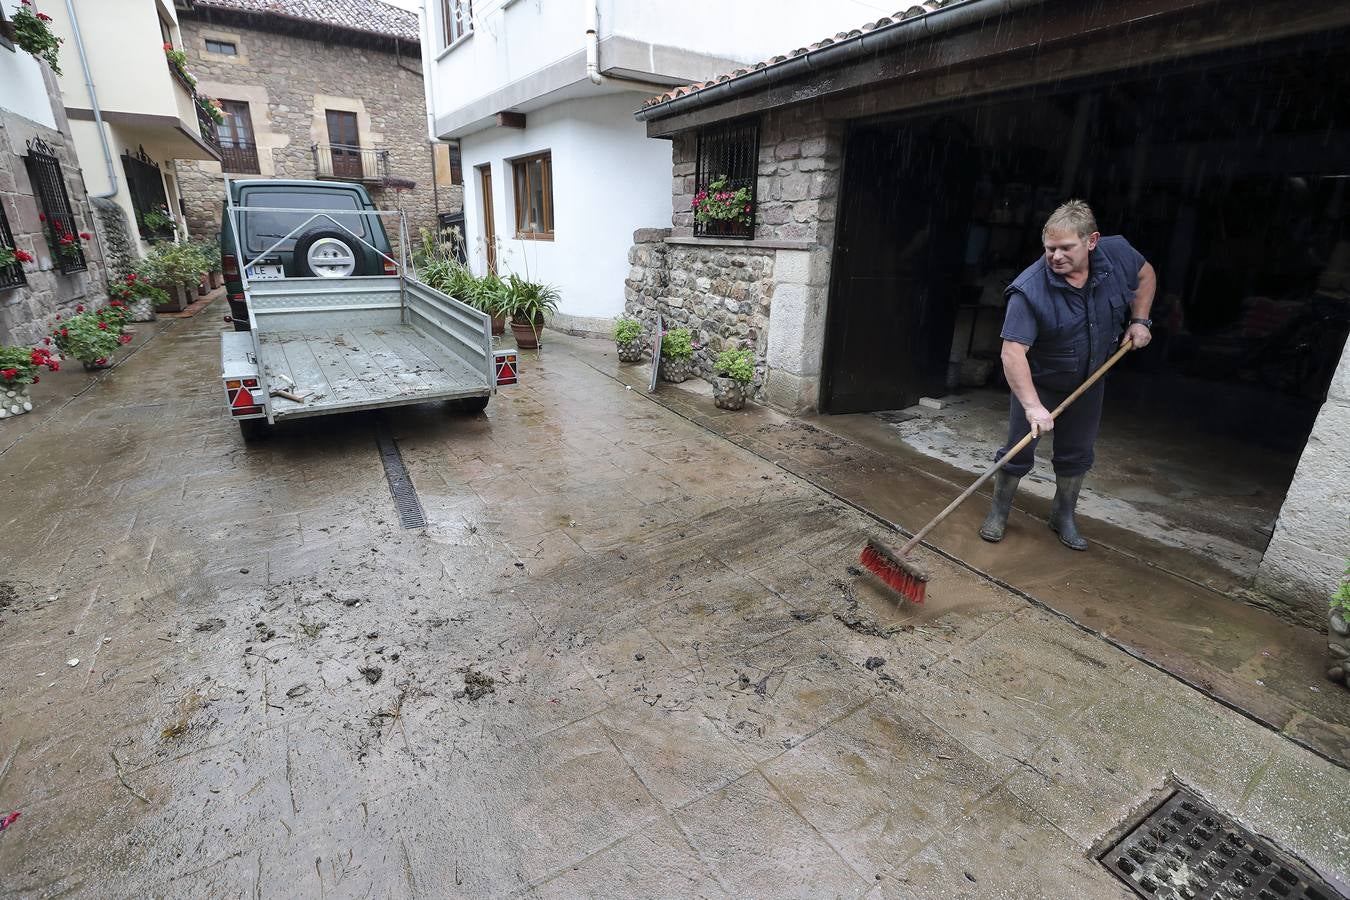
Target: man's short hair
[1075, 216]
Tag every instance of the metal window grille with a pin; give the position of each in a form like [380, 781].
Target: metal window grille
[11, 276]
[728, 151]
[49, 187]
[146, 186]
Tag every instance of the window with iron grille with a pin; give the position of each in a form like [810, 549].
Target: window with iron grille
[728, 162]
[49, 189]
[145, 184]
[11, 276]
[457, 19]
[238, 149]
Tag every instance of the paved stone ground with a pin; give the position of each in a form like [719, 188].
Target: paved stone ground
[626, 658]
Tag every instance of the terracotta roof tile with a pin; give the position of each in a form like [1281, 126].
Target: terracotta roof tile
[367, 16]
[910, 13]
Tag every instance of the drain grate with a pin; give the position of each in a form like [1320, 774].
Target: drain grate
[409, 508]
[1188, 850]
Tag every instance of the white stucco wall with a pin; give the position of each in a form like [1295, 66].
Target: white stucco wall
[125, 49]
[22, 89]
[609, 179]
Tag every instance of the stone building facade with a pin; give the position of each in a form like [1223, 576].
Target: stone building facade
[28, 309]
[290, 73]
[723, 289]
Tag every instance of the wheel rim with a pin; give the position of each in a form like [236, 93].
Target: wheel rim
[331, 258]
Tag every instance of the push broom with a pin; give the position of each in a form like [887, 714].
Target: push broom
[908, 579]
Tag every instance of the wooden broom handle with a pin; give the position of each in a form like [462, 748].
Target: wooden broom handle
[1017, 448]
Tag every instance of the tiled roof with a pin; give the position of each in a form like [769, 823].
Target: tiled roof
[368, 16]
[914, 11]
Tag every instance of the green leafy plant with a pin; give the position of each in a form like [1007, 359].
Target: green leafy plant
[209, 251]
[489, 294]
[627, 330]
[178, 60]
[719, 203]
[87, 337]
[677, 344]
[738, 365]
[20, 365]
[33, 34]
[11, 255]
[527, 302]
[211, 107]
[173, 264]
[135, 289]
[158, 221]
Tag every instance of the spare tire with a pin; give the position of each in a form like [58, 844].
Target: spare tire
[328, 253]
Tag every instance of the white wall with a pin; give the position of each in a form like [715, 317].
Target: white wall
[512, 41]
[22, 89]
[609, 179]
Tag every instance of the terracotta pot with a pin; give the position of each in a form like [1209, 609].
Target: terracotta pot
[675, 370]
[499, 324]
[728, 393]
[527, 335]
[632, 351]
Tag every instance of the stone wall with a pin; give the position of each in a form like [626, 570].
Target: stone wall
[289, 82]
[1308, 551]
[27, 311]
[769, 293]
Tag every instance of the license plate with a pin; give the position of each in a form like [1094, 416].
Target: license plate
[265, 273]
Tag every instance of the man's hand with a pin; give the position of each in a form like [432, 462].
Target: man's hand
[1139, 334]
[1038, 417]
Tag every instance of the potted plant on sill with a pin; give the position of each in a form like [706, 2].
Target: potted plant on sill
[158, 225]
[492, 295]
[90, 338]
[175, 268]
[628, 340]
[735, 370]
[722, 210]
[32, 32]
[140, 297]
[11, 255]
[527, 303]
[19, 367]
[677, 355]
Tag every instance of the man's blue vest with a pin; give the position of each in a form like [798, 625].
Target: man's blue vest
[1068, 348]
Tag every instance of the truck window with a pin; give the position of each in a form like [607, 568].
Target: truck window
[263, 229]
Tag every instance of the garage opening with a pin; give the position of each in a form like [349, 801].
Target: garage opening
[1230, 175]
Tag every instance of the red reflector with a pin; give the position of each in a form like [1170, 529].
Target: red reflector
[229, 265]
[242, 399]
[247, 411]
[390, 268]
[236, 296]
[250, 382]
[508, 371]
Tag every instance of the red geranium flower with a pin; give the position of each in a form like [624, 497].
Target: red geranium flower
[44, 17]
[22, 255]
[36, 379]
[103, 326]
[9, 374]
[42, 217]
[47, 340]
[65, 332]
[84, 235]
[79, 307]
[54, 366]
[102, 360]
[131, 279]
[168, 46]
[124, 339]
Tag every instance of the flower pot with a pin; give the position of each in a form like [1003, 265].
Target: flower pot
[141, 310]
[203, 287]
[217, 279]
[103, 362]
[632, 351]
[178, 299]
[527, 335]
[499, 324]
[15, 401]
[675, 370]
[1338, 649]
[729, 393]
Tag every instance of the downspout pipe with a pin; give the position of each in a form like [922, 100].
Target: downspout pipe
[593, 42]
[871, 43]
[93, 102]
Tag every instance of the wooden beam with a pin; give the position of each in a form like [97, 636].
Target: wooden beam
[510, 120]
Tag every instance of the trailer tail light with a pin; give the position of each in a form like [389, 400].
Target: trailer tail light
[390, 267]
[507, 367]
[229, 265]
[239, 392]
[238, 296]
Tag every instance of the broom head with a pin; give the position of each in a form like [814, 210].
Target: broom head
[905, 578]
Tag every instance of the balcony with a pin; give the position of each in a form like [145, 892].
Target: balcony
[206, 124]
[239, 157]
[344, 162]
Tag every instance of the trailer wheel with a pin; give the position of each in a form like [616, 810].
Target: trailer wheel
[470, 405]
[254, 429]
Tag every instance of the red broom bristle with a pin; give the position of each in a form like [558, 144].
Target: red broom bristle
[893, 574]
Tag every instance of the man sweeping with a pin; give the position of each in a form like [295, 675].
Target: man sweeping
[1065, 316]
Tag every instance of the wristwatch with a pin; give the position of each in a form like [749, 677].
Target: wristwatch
[1147, 323]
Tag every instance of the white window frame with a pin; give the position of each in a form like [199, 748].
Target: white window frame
[456, 21]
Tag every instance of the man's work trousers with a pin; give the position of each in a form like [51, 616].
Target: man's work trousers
[1075, 432]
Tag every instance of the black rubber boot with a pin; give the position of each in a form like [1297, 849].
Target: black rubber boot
[1061, 512]
[1005, 486]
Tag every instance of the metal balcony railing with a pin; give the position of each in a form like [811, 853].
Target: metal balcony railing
[239, 157]
[344, 162]
[206, 124]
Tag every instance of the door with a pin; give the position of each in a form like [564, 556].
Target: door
[489, 221]
[344, 144]
[238, 150]
[904, 208]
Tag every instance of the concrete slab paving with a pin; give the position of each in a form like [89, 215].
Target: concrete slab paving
[626, 658]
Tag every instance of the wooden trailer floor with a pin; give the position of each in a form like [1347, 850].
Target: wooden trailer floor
[361, 367]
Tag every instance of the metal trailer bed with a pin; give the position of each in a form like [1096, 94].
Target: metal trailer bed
[344, 344]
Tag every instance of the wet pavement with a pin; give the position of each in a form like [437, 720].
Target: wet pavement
[626, 658]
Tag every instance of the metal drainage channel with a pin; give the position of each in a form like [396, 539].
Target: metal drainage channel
[409, 508]
[1187, 850]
